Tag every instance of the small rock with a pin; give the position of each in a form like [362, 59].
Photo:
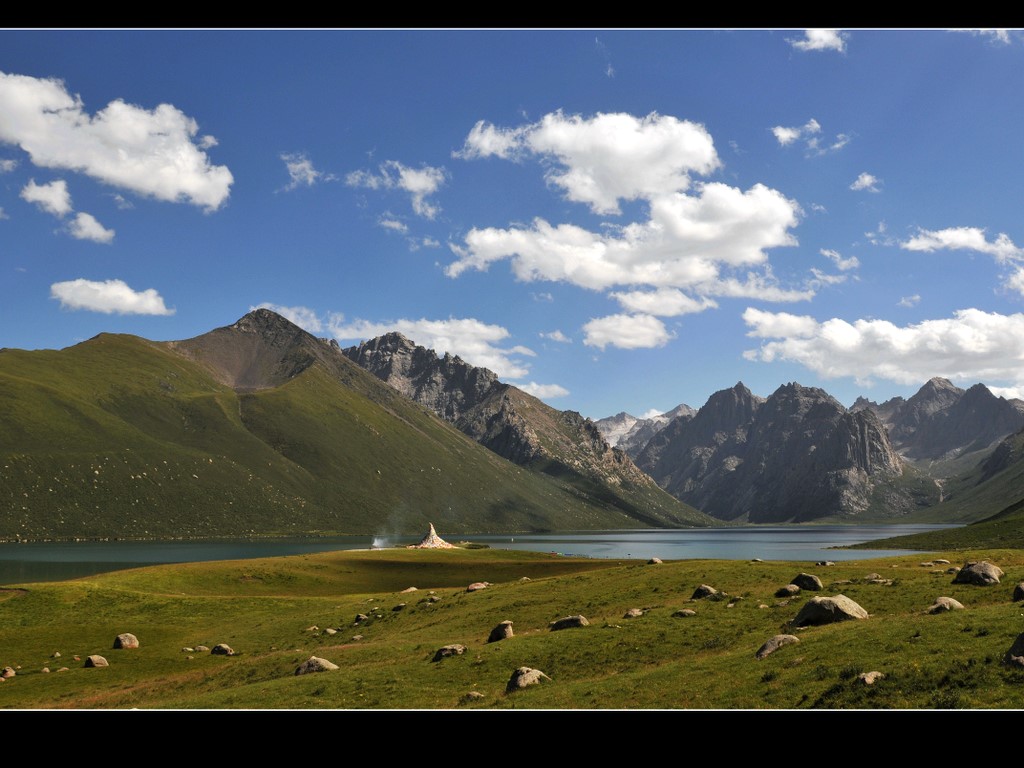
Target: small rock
[222, 649]
[315, 664]
[762, 605]
[883, 582]
[757, 560]
[64, 669]
[633, 613]
[683, 613]
[186, 649]
[927, 564]
[477, 585]
[1018, 592]
[523, 677]
[525, 578]
[774, 643]
[654, 561]
[356, 638]
[313, 628]
[433, 598]
[569, 622]
[56, 655]
[787, 591]
[869, 678]
[872, 576]
[472, 696]
[126, 640]
[360, 618]
[45, 669]
[703, 591]
[449, 650]
[399, 607]
[982, 574]
[827, 563]
[76, 657]
[943, 604]
[825, 610]
[807, 581]
[330, 631]
[201, 649]
[501, 632]
[940, 561]
[96, 661]
[7, 672]
[954, 569]
[1016, 653]
[408, 589]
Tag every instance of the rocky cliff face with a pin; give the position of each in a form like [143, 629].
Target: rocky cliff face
[630, 434]
[797, 456]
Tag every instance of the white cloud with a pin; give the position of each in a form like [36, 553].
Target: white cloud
[121, 203]
[85, 227]
[6, 166]
[820, 40]
[389, 222]
[301, 171]
[841, 264]
[786, 135]
[809, 132]
[304, 317]
[557, 335]
[819, 278]
[420, 183]
[626, 332]
[429, 242]
[150, 152]
[3, 215]
[1010, 393]
[472, 340]
[972, 345]
[52, 198]
[880, 236]
[109, 296]
[963, 238]
[910, 301]
[666, 302]
[1016, 280]
[544, 391]
[605, 158]
[543, 296]
[1001, 36]
[866, 182]
[818, 208]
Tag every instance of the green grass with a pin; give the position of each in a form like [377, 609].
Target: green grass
[263, 609]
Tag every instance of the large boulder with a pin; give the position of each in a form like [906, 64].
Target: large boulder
[1018, 592]
[1015, 655]
[569, 622]
[476, 586]
[96, 661]
[944, 604]
[315, 664]
[683, 613]
[633, 613]
[446, 651]
[523, 677]
[981, 574]
[703, 591]
[126, 640]
[807, 581]
[773, 644]
[826, 610]
[787, 591]
[7, 672]
[222, 649]
[501, 632]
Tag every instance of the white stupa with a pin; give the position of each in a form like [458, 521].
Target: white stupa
[432, 541]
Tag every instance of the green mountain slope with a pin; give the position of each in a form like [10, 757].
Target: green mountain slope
[253, 428]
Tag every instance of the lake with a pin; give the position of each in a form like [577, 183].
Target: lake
[52, 561]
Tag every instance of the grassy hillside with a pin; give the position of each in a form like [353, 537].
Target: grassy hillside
[122, 437]
[265, 610]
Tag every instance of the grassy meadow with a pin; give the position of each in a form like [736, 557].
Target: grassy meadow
[273, 613]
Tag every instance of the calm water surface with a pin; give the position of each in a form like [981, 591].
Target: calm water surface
[26, 563]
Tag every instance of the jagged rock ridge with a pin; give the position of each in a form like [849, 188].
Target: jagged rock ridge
[630, 434]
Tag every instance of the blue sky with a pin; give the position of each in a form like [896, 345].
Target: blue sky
[613, 220]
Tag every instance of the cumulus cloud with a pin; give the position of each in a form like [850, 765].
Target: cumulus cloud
[910, 301]
[52, 198]
[150, 152]
[606, 158]
[542, 296]
[789, 135]
[544, 391]
[971, 345]
[964, 238]
[995, 36]
[304, 317]
[841, 264]
[880, 236]
[420, 183]
[666, 302]
[557, 335]
[85, 227]
[389, 222]
[109, 297]
[6, 166]
[301, 172]
[121, 203]
[472, 340]
[819, 40]
[626, 332]
[865, 182]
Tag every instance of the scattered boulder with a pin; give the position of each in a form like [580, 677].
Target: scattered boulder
[927, 564]
[126, 640]
[315, 664]
[472, 696]
[501, 632]
[762, 605]
[433, 598]
[943, 604]
[222, 649]
[633, 613]
[313, 628]
[408, 589]
[449, 650]
[1015, 655]
[523, 677]
[827, 563]
[360, 618]
[356, 638]
[954, 569]
[807, 581]
[869, 678]
[96, 661]
[683, 613]
[774, 643]
[201, 649]
[940, 561]
[569, 622]
[1018, 592]
[64, 669]
[826, 610]
[757, 560]
[883, 582]
[7, 672]
[654, 561]
[56, 655]
[703, 591]
[477, 585]
[186, 649]
[872, 576]
[399, 607]
[787, 591]
[981, 574]
[45, 669]
[524, 578]
[330, 631]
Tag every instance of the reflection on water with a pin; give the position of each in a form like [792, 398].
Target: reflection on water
[26, 563]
